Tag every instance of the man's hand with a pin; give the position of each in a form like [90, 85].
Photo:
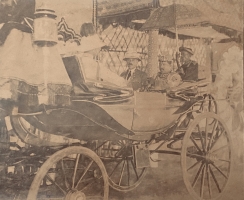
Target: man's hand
[177, 55]
[180, 70]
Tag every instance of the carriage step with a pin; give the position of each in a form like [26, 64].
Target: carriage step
[142, 155]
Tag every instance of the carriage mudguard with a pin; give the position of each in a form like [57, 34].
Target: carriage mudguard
[187, 105]
[84, 120]
[100, 116]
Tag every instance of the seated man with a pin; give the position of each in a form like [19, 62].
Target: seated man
[166, 78]
[135, 78]
[189, 69]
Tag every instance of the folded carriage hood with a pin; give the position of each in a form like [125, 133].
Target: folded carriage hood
[83, 120]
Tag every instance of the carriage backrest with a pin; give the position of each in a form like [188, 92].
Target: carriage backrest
[78, 72]
[73, 69]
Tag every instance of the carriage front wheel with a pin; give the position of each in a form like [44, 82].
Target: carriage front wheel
[120, 165]
[206, 157]
[71, 173]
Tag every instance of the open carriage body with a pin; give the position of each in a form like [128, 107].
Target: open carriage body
[112, 133]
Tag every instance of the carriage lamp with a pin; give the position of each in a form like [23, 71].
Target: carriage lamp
[45, 27]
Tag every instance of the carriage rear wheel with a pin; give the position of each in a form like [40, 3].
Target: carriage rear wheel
[120, 164]
[206, 157]
[71, 173]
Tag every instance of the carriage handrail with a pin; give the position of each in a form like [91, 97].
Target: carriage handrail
[188, 85]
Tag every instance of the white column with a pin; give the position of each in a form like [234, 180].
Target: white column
[152, 67]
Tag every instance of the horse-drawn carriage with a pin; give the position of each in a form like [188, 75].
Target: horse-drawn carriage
[109, 136]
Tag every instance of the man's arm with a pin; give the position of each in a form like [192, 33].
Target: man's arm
[123, 74]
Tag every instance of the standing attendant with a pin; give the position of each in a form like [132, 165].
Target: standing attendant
[189, 68]
[90, 45]
[135, 78]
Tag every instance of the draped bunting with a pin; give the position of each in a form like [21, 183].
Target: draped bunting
[24, 75]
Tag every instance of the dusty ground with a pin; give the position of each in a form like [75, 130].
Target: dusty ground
[166, 182]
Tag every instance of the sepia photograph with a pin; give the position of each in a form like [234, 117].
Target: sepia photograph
[121, 100]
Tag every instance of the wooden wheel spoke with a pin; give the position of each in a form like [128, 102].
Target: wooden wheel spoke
[55, 183]
[206, 134]
[213, 144]
[201, 138]
[84, 173]
[122, 172]
[88, 185]
[115, 168]
[212, 135]
[202, 180]
[64, 174]
[215, 180]
[219, 170]
[75, 169]
[196, 145]
[117, 154]
[134, 168]
[195, 155]
[194, 165]
[209, 183]
[86, 180]
[197, 175]
[128, 171]
[100, 145]
[224, 160]
[120, 143]
[220, 148]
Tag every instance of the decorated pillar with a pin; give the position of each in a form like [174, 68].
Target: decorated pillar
[94, 14]
[45, 35]
[152, 68]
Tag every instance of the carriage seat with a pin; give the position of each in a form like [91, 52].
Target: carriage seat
[93, 81]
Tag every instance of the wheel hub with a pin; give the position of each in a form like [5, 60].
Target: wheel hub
[75, 195]
[210, 157]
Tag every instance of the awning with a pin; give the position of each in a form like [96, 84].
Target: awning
[201, 32]
[106, 8]
[220, 12]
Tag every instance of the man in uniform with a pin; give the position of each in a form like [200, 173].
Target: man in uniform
[136, 78]
[189, 68]
[166, 77]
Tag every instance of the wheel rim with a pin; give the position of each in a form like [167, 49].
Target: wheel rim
[71, 173]
[120, 165]
[206, 158]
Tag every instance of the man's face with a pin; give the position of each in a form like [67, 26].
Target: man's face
[132, 63]
[165, 67]
[185, 57]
